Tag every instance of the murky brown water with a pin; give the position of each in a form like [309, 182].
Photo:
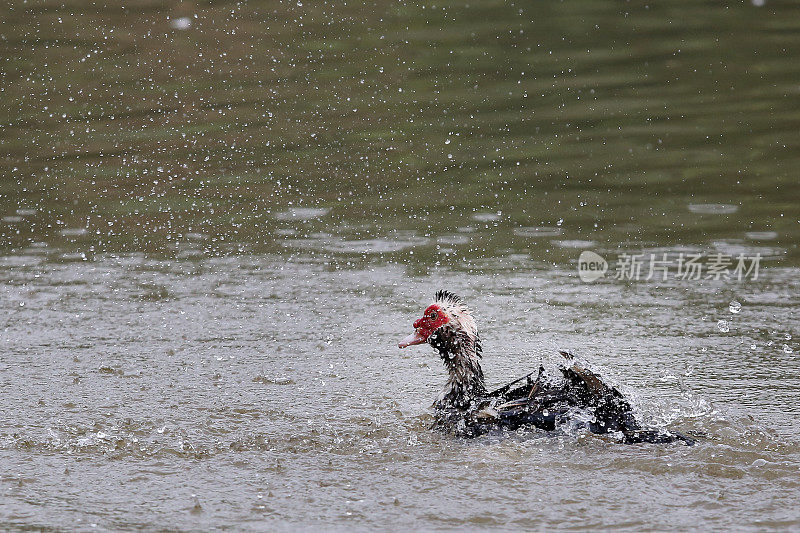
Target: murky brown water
[217, 220]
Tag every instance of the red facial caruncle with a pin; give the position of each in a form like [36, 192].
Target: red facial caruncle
[432, 319]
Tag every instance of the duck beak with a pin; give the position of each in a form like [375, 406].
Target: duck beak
[415, 338]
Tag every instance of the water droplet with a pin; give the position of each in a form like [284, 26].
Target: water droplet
[181, 23]
[723, 326]
[734, 307]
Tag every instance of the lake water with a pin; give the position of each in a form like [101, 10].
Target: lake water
[216, 222]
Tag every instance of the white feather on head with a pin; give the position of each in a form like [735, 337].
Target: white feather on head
[458, 312]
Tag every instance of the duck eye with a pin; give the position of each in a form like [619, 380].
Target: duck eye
[434, 315]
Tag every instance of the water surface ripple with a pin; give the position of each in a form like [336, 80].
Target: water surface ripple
[257, 393]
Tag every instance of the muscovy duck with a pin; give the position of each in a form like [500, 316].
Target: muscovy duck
[467, 409]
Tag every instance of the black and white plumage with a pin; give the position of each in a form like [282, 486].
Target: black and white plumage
[459, 345]
[467, 409]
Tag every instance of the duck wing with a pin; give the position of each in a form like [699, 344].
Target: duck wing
[612, 410]
[520, 387]
[529, 401]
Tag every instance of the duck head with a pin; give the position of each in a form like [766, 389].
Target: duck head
[445, 324]
[448, 326]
